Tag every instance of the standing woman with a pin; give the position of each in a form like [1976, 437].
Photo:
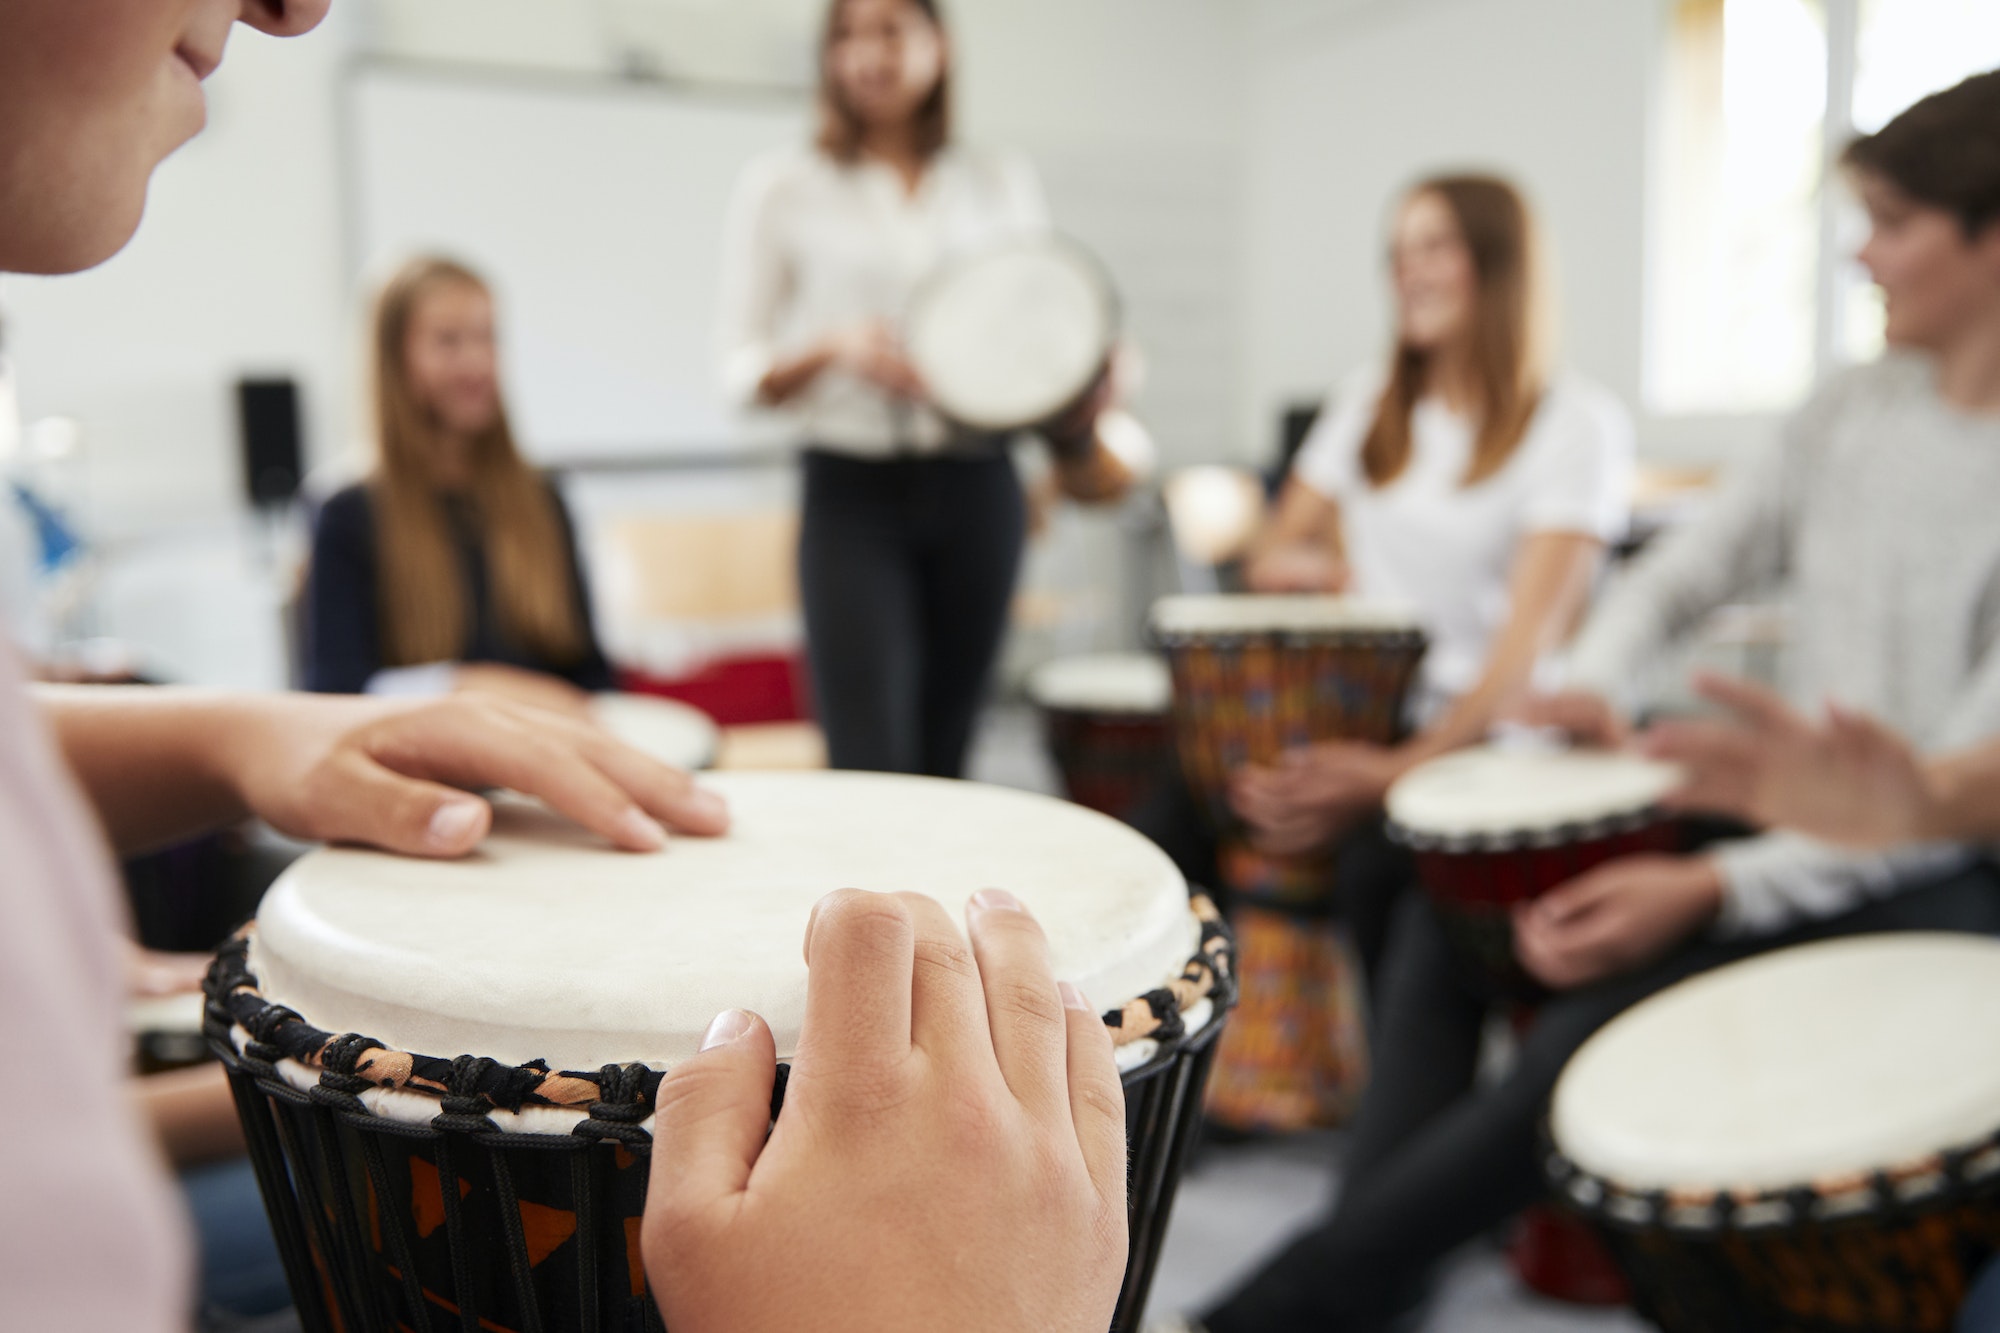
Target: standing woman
[453, 566]
[912, 529]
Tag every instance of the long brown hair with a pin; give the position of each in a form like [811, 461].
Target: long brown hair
[422, 587]
[840, 128]
[1510, 333]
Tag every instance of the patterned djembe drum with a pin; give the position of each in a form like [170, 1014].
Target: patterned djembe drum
[446, 1069]
[1254, 677]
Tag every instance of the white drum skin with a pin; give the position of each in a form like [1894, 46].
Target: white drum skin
[548, 944]
[1229, 615]
[1812, 1065]
[1011, 336]
[670, 731]
[1137, 684]
[1492, 791]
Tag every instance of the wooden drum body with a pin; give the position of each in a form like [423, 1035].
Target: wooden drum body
[1255, 676]
[446, 1070]
[1805, 1142]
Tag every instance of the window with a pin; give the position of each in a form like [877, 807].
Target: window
[1752, 290]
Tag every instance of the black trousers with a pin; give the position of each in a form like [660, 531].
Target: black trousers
[906, 570]
[1434, 1163]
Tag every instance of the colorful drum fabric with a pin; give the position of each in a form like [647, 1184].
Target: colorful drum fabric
[1109, 726]
[1807, 1141]
[1491, 828]
[1296, 1053]
[1255, 676]
[446, 1069]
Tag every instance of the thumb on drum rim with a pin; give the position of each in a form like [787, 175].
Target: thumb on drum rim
[711, 1116]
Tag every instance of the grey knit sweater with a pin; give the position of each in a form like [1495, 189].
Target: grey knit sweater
[1877, 513]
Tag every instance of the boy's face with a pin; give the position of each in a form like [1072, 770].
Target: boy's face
[1936, 282]
[93, 95]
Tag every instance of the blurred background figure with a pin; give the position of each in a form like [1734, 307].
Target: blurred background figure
[912, 528]
[453, 566]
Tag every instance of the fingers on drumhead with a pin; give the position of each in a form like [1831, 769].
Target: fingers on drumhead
[860, 950]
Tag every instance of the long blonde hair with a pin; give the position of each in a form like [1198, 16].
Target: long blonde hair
[1510, 333]
[425, 603]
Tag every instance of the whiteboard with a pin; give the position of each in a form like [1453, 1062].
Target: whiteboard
[596, 209]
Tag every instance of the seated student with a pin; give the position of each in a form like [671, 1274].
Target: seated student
[453, 566]
[1875, 509]
[1467, 480]
[1003, 1137]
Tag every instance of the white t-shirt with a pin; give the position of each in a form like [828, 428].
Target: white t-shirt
[1446, 550]
[814, 246]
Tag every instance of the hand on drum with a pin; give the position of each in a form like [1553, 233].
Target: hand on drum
[1847, 779]
[397, 775]
[873, 352]
[1617, 917]
[534, 688]
[951, 1153]
[1313, 795]
[1297, 567]
[1587, 719]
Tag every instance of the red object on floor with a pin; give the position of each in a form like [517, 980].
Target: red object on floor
[1561, 1257]
[735, 691]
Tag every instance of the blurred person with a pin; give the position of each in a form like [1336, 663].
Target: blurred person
[1468, 481]
[453, 565]
[1874, 511]
[93, 95]
[912, 530]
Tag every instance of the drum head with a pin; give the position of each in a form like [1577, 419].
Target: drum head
[1494, 793]
[670, 731]
[1137, 683]
[547, 944]
[1802, 1066]
[1277, 613]
[1010, 336]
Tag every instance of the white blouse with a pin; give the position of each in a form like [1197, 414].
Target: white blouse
[1446, 550]
[814, 246]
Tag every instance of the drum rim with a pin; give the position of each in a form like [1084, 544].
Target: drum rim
[1936, 1179]
[1035, 686]
[237, 1016]
[1566, 834]
[1051, 238]
[1399, 625]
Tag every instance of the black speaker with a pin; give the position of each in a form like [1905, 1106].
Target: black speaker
[267, 410]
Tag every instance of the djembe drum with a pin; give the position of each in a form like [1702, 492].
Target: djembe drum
[1494, 827]
[1802, 1143]
[1023, 335]
[446, 1069]
[1108, 723]
[1254, 677]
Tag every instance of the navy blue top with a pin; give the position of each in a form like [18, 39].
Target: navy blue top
[343, 606]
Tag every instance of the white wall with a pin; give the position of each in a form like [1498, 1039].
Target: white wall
[1349, 100]
[1349, 103]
